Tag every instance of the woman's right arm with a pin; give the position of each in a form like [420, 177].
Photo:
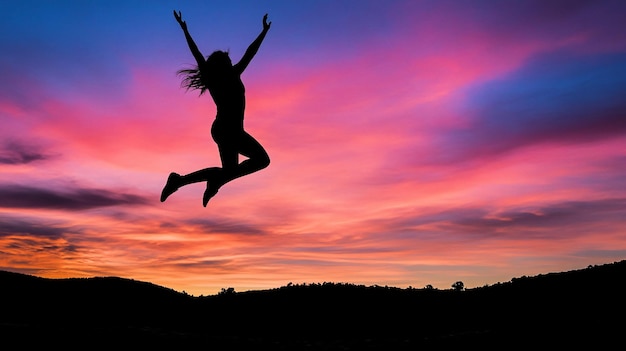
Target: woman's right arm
[192, 45]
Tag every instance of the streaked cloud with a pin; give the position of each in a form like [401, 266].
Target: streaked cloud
[19, 196]
[31, 226]
[15, 153]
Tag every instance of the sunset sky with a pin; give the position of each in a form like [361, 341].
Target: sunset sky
[411, 142]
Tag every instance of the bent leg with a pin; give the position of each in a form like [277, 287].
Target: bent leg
[202, 175]
[258, 158]
[231, 169]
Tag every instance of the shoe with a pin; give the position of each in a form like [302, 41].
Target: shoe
[171, 185]
[208, 194]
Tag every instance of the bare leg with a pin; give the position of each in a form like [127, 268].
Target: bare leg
[202, 175]
[175, 180]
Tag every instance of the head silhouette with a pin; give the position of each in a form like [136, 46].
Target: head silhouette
[217, 67]
[218, 63]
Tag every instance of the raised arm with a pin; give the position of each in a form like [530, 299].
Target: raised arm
[253, 48]
[192, 45]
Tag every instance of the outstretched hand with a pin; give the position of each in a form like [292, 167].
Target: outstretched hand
[179, 19]
[266, 25]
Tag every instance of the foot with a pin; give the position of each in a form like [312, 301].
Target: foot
[171, 186]
[209, 193]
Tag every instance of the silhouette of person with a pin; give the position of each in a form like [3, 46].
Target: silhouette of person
[222, 79]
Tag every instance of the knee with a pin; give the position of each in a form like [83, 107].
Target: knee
[264, 161]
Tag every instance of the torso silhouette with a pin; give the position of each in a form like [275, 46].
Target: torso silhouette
[228, 93]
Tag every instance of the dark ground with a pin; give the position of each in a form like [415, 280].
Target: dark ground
[577, 309]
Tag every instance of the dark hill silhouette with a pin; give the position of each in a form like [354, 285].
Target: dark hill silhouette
[567, 309]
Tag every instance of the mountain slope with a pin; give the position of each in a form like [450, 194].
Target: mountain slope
[568, 308]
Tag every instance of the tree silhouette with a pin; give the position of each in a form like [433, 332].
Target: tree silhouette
[458, 286]
[229, 291]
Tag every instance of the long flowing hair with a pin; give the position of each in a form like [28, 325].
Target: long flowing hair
[192, 79]
[200, 76]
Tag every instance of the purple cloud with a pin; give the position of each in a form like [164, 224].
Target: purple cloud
[18, 196]
[14, 153]
[225, 226]
[559, 215]
[512, 222]
[10, 225]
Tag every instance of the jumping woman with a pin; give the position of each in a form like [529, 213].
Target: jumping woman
[222, 79]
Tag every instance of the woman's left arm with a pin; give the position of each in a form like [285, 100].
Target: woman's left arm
[253, 48]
